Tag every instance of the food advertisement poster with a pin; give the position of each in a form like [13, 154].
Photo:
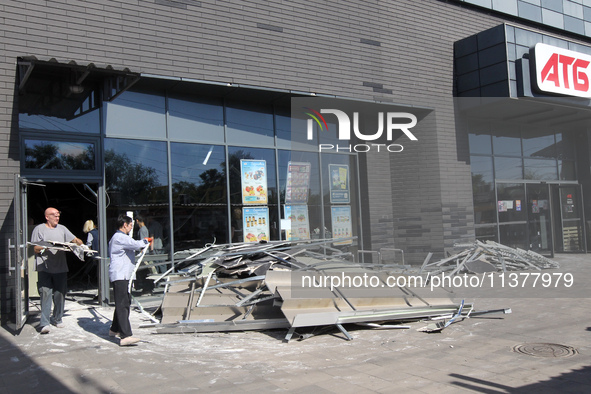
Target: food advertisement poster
[341, 224]
[298, 222]
[255, 222]
[254, 181]
[298, 183]
[339, 183]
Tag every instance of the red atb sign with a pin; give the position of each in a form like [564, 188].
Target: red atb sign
[561, 71]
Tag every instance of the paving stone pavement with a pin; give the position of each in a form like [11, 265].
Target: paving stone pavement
[472, 355]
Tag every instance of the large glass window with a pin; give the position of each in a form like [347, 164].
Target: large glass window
[486, 233]
[250, 124]
[514, 235]
[235, 155]
[301, 203]
[292, 132]
[536, 145]
[59, 155]
[507, 142]
[567, 170]
[540, 169]
[339, 182]
[480, 144]
[136, 114]
[565, 144]
[190, 119]
[511, 202]
[136, 180]
[84, 120]
[508, 168]
[200, 210]
[483, 189]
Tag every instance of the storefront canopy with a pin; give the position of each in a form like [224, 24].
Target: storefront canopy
[67, 90]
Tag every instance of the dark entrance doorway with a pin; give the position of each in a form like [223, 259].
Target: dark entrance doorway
[77, 203]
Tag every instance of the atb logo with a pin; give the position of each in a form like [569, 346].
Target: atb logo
[402, 121]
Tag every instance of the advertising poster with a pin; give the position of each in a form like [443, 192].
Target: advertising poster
[339, 183]
[341, 224]
[298, 222]
[254, 181]
[506, 205]
[255, 222]
[298, 183]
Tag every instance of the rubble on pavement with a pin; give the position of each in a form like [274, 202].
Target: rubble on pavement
[480, 257]
[258, 286]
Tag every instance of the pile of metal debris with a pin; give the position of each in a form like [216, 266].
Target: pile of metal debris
[480, 257]
[263, 286]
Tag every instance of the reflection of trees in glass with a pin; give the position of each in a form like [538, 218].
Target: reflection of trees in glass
[236, 175]
[48, 156]
[211, 186]
[484, 199]
[135, 183]
[210, 190]
[480, 185]
[530, 173]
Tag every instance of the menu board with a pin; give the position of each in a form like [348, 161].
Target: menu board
[298, 222]
[339, 183]
[255, 222]
[254, 181]
[341, 224]
[298, 183]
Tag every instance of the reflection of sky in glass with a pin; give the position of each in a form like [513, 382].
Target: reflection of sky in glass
[482, 165]
[539, 146]
[540, 169]
[65, 150]
[250, 121]
[134, 113]
[188, 161]
[510, 146]
[480, 144]
[86, 123]
[508, 168]
[151, 154]
[195, 121]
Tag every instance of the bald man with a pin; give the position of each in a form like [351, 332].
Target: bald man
[52, 268]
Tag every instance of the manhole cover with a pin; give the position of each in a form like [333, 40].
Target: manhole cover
[545, 350]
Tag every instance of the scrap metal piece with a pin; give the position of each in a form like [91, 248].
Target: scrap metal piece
[253, 290]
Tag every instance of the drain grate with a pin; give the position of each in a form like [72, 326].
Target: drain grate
[545, 350]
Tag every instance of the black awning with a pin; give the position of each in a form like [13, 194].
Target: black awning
[67, 90]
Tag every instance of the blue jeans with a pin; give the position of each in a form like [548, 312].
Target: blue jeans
[52, 289]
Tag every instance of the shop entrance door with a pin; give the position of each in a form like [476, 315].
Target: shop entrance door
[77, 203]
[17, 253]
[567, 209]
[539, 218]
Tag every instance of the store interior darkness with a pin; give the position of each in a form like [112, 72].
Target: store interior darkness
[77, 204]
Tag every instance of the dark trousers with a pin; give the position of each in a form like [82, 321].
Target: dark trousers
[122, 307]
[52, 288]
